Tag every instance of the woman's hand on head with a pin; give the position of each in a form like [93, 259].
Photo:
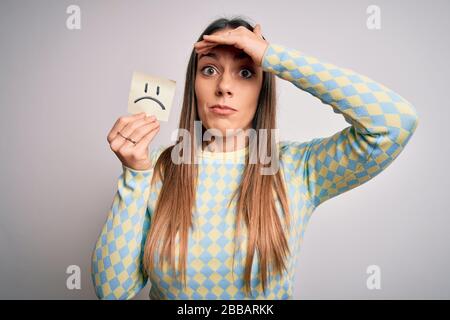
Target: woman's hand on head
[242, 38]
[140, 131]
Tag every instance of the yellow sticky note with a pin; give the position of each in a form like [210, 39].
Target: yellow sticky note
[152, 95]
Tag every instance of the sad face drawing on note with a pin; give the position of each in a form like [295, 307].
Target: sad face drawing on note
[152, 95]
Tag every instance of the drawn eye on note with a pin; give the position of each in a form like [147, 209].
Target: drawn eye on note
[151, 94]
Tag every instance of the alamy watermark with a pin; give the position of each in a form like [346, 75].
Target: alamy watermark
[73, 21]
[73, 281]
[373, 282]
[257, 145]
[373, 21]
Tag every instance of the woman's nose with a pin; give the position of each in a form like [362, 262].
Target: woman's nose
[224, 86]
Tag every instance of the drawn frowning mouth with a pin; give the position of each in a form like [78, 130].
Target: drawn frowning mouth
[151, 98]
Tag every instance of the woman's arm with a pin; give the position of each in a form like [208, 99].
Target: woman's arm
[117, 257]
[382, 122]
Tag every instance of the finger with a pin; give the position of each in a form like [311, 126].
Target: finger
[145, 141]
[140, 132]
[121, 123]
[206, 47]
[120, 140]
[204, 44]
[257, 30]
[227, 39]
[201, 43]
[204, 50]
[133, 125]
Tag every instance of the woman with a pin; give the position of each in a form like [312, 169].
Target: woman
[216, 227]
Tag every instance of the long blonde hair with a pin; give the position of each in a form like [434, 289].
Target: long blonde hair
[255, 203]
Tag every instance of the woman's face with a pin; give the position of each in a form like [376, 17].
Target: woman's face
[227, 76]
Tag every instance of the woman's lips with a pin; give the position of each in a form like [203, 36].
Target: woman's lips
[222, 109]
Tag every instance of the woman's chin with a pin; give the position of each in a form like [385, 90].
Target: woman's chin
[221, 125]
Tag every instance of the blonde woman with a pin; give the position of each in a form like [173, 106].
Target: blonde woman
[216, 226]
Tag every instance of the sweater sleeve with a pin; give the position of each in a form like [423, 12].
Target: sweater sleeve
[382, 122]
[117, 257]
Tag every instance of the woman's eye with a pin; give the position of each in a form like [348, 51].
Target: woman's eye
[206, 69]
[246, 73]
